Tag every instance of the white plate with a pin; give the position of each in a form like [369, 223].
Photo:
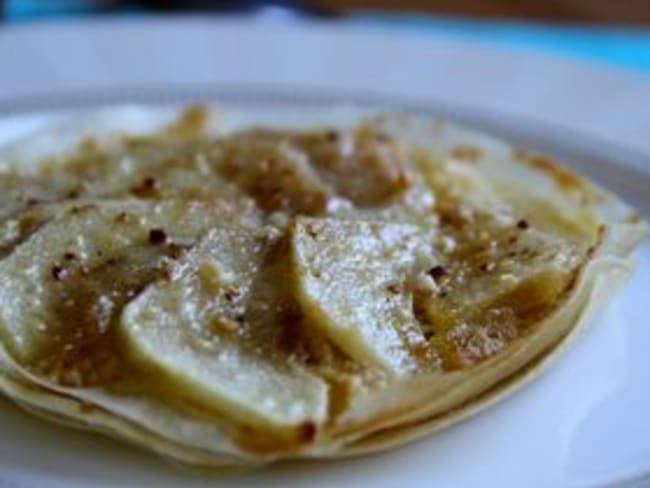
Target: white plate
[583, 423]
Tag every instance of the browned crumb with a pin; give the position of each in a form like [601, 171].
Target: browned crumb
[522, 224]
[438, 272]
[332, 136]
[307, 432]
[157, 236]
[393, 288]
[148, 187]
[87, 407]
[59, 273]
[231, 294]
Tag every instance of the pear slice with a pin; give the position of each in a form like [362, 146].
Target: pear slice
[193, 332]
[61, 288]
[492, 289]
[352, 280]
[273, 172]
[523, 269]
[18, 227]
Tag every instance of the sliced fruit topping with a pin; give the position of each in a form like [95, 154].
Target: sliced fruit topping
[365, 166]
[353, 280]
[61, 289]
[275, 173]
[362, 168]
[497, 279]
[193, 331]
[16, 229]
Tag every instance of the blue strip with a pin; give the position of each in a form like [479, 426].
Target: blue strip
[624, 47]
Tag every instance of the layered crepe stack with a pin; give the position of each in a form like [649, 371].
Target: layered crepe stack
[232, 286]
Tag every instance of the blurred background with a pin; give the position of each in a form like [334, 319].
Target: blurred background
[614, 32]
[593, 11]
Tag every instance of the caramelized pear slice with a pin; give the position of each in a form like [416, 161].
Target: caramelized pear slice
[192, 331]
[61, 288]
[492, 288]
[273, 172]
[18, 227]
[353, 282]
[521, 268]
